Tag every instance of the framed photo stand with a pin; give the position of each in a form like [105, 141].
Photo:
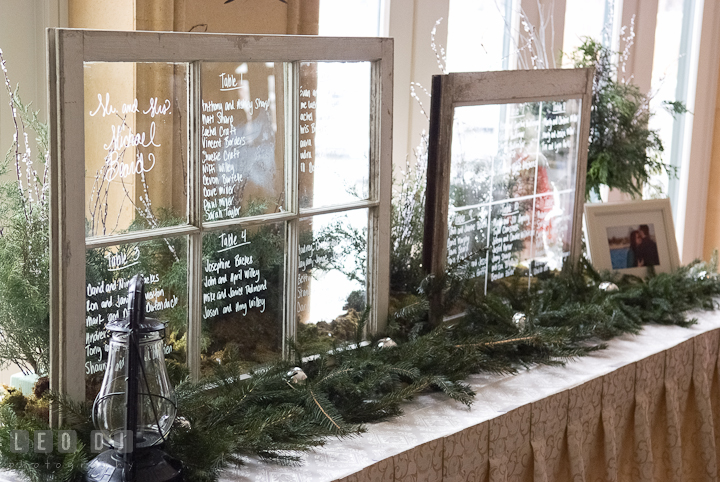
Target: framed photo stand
[629, 237]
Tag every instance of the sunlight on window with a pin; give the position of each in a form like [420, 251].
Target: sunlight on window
[350, 18]
[477, 35]
[666, 64]
[339, 169]
[584, 18]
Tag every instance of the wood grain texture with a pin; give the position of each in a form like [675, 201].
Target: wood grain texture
[136, 46]
[69, 167]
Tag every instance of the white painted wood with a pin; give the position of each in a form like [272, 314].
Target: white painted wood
[695, 170]
[246, 222]
[581, 173]
[292, 180]
[640, 63]
[475, 88]
[139, 236]
[76, 46]
[54, 227]
[383, 140]
[137, 46]
[341, 207]
[194, 336]
[195, 213]
[600, 216]
[68, 167]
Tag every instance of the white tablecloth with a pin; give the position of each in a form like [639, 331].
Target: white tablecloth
[414, 445]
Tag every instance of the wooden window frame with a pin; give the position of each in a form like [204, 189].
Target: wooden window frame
[70, 49]
[487, 88]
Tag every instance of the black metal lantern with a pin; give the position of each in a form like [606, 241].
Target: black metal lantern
[136, 405]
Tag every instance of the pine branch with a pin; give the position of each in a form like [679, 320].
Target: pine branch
[324, 412]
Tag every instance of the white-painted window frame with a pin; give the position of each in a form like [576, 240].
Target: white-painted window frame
[69, 49]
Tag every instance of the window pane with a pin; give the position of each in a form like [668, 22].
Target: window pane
[586, 18]
[163, 264]
[350, 18]
[135, 146]
[242, 291]
[242, 150]
[334, 133]
[512, 187]
[669, 83]
[478, 36]
[331, 275]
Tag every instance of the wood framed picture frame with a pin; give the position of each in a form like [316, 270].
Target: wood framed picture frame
[629, 237]
[507, 157]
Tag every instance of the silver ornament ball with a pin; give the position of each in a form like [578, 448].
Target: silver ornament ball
[182, 422]
[386, 342]
[520, 320]
[297, 375]
[608, 286]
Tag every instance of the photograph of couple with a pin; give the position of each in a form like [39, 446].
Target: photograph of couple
[633, 246]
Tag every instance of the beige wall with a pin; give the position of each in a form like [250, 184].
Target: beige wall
[101, 14]
[238, 16]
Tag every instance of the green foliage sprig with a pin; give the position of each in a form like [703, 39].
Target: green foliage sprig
[624, 151]
[24, 242]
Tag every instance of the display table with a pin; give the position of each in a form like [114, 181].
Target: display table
[646, 408]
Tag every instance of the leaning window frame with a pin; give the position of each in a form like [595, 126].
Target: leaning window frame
[487, 88]
[70, 49]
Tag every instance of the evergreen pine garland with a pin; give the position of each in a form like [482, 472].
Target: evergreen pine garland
[229, 415]
[624, 152]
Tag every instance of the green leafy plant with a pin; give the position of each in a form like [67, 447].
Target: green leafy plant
[24, 242]
[624, 151]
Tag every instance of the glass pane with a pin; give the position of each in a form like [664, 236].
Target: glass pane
[512, 187]
[163, 264]
[510, 237]
[242, 150]
[331, 277]
[135, 146]
[472, 24]
[468, 239]
[350, 18]
[587, 18]
[552, 231]
[334, 133]
[669, 83]
[243, 295]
